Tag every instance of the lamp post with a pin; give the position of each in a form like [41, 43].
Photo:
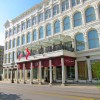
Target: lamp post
[12, 65]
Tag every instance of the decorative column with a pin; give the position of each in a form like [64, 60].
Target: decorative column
[52, 29]
[20, 74]
[50, 65]
[40, 73]
[3, 73]
[51, 7]
[54, 73]
[45, 32]
[76, 71]
[70, 4]
[81, 1]
[17, 74]
[73, 43]
[72, 22]
[31, 73]
[25, 24]
[43, 12]
[37, 14]
[61, 25]
[83, 18]
[89, 70]
[97, 12]
[86, 42]
[11, 74]
[24, 73]
[63, 71]
[7, 73]
[60, 7]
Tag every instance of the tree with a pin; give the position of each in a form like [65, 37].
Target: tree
[96, 70]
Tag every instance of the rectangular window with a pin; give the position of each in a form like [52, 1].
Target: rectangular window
[70, 72]
[23, 26]
[14, 30]
[55, 10]
[6, 34]
[10, 32]
[35, 72]
[34, 20]
[28, 23]
[18, 28]
[59, 72]
[75, 2]
[47, 14]
[65, 5]
[40, 17]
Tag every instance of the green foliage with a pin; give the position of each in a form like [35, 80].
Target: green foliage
[96, 69]
[0, 50]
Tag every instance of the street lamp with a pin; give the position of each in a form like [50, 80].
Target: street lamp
[12, 66]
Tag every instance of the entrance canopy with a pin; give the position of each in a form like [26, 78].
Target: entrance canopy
[53, 40]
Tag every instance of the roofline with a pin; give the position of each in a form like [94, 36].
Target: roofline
[28, 11]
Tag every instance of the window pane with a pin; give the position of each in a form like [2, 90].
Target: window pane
[34, 35]
[80, 45]
[66, 23]
[55, 10]
[57, 27]
[93, 39]
[48, 30]
[90, 14]
[28, 38]
[41, 33]
[77, 19]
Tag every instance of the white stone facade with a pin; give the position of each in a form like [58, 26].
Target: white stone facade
[84, 55]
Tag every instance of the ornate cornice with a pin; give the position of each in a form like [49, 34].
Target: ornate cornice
[28, 11]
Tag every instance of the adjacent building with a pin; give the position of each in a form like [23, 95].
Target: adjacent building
[63, 38]
[1, 59]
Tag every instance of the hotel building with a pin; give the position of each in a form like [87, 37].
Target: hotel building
[63, 37]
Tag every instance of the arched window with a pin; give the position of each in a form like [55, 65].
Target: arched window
[80, 45]
[28, 38]
[57, 26]
[41, 33]
[34, 35]
[66, 22]
[48, 29]
[14, 43]
[90, 15]
[77, 19]
[93, 39]
[18, 41]
[23, 39]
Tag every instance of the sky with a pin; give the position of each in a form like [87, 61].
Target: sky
[10, 9]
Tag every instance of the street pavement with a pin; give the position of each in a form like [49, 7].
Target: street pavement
[15, 91]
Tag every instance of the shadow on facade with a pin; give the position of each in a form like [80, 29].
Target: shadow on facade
[4, 96]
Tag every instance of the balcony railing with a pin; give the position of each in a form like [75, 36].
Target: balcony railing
[51, 49]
